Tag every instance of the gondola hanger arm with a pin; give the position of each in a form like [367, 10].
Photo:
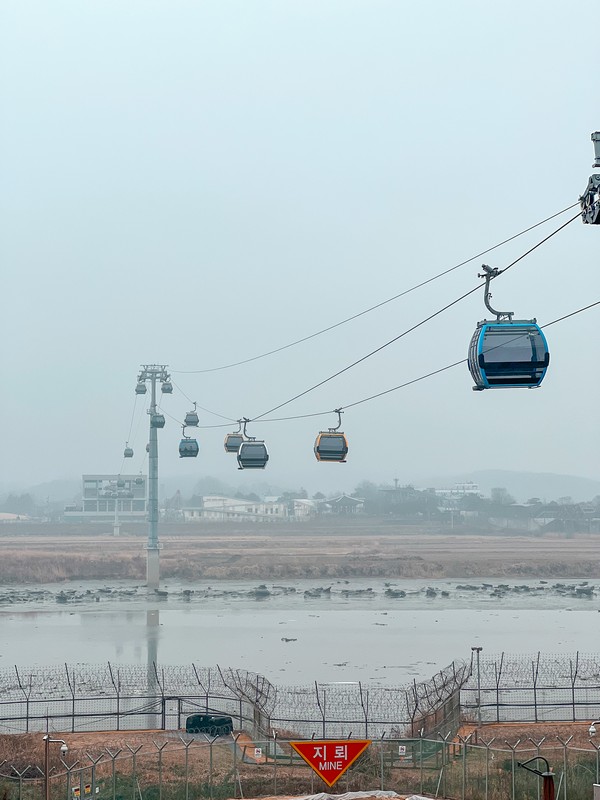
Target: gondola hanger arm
[489, 273]
[339, 412]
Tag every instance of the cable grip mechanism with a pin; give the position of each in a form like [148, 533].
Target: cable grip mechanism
[590, 199]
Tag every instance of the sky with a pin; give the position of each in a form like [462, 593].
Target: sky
[195, 183]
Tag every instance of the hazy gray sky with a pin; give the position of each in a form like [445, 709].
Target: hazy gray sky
[195, 182]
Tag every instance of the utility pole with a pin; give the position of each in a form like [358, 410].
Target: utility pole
[153, 373]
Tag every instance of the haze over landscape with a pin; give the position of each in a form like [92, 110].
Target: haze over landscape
[277, 215]
[197, 183]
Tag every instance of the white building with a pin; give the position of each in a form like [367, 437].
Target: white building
[223, 509]
[460, 490]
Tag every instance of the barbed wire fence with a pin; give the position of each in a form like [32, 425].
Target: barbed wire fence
[116, 697]
[533, 688]
[501, 688]
[421, 732]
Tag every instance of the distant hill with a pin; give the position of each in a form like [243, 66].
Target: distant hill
[523, 485]
[55, 491]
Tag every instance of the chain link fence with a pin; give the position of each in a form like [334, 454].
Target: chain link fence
[185, 768]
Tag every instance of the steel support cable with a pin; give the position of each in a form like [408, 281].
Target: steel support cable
[132, 418]
[129, 434]
[414, 327]
[531, 249]
[457, 363]
[207, 410]
[377, 305]
[407, 383]
[372, 353]
[392, 341]
[143, 408]
[422, 377]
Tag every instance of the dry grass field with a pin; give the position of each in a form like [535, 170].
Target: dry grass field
[334, 548]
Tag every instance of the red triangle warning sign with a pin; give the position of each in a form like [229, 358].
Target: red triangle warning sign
[330, 758]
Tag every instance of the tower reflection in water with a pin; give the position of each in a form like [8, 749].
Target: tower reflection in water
[153, 690]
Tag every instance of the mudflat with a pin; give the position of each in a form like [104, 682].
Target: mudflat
[321, 548]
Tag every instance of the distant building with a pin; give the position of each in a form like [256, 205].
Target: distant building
[344, 504]
[303, 509]
[459, 490]
[101, 492]
[223, 509]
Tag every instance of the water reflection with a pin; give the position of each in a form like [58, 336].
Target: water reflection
[153, 688]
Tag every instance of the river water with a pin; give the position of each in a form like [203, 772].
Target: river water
[298, 632]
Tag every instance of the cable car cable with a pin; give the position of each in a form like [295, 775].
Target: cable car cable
[208, 411]
[414, 327]
[395, 339]
[377, 305]
[132, 417]
[402, 385]
[421, 378]
[516, 261]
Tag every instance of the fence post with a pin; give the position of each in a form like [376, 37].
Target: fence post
[275, 762]
[597, 749]
[113, 757]
[235, 771]
[187, 767]
[421, 732]
[134, 752]
[321, 707]
[537, 746]
[20, 774]
[464, 741]
[512, 765]
[160, 748]
[535, 669]
[565, 745]
[444, 757]
[381, 760]
[94, 762]
[69, 770]
[487, 746]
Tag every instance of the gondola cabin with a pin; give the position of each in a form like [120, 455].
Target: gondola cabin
[140, 388]
[233, 442]
[331, 446]
[252, 455]
[188, 448]
[191, 420]
[508, 354]
[128, 452]
[157, 420]
[166, 387]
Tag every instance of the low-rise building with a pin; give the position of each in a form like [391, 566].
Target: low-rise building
[223, 509]
[100, 493]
